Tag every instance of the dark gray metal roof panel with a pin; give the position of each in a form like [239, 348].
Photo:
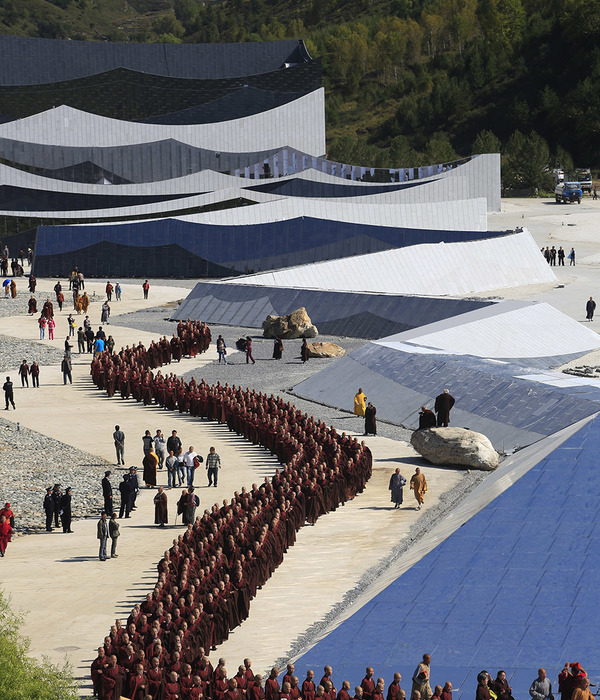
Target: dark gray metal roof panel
[400, 404]
[30, 61]
[489, 398]
[334, 313]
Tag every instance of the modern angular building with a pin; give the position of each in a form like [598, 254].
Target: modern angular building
[141, 159]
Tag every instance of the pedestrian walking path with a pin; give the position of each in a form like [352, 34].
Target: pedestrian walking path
[72, 598]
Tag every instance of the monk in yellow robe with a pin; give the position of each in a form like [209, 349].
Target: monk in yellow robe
[85, 302]
[418, 484]
[360, 403]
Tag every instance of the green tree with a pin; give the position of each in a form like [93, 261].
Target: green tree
[51, 30]
[185, 11]
[402, 154]
[439, 149]
[486, 142]
[564, 160]
[512, 20]
[168, 25]
[527, 162]
[23, 678]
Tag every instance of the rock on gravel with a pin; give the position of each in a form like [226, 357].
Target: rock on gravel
[325, 350]
[294, 325]
[456, 446]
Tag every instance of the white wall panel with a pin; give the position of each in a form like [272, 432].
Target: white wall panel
[503, 332]
[468, 215]
[428, 269]
[299, 124]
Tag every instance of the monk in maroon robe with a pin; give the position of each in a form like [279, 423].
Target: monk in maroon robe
[138, 684]
[368, 684]
[98, 666]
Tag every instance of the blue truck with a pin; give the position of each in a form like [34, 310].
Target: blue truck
[567, 192]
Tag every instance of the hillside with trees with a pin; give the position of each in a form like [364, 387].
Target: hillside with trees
[408, 82]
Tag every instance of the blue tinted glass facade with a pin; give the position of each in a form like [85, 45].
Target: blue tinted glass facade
[236, 249]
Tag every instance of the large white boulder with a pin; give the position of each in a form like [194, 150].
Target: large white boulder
[455, 446]
[294, 325]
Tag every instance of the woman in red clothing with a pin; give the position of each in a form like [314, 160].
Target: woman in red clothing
[5, 533]
[249, 350]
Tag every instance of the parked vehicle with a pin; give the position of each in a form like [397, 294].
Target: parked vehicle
[584, 177]
[567, 192]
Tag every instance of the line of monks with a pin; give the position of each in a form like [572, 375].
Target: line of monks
[130, 371]
[207, 579]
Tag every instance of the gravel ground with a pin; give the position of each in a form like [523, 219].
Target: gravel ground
[18, 306]
[14, 350]
[154, 320]
[42, 462]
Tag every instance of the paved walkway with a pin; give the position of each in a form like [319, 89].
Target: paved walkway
[73, 598]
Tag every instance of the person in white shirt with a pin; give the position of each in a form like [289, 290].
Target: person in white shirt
[160, 446]
[191, 461]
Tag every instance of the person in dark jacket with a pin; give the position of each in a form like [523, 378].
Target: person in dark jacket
[65, 367]
[49, 508]
[126, 491]
[107, 493]
[443, 404]
[426, 418]
[590, 307]
[65, 510]
[135, 486]
[8, 393]
[56, 497]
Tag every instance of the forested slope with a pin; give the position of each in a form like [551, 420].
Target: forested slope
[408, 81]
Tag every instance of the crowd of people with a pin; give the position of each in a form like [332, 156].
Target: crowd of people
[171, 677]
[208, 578]
[130, 371]
[81, 302]
[16, 267]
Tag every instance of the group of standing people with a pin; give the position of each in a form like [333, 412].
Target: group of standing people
[443, 405]
[109, 289]
[278, 350]
[81, 302]
[130, 371]
[418, 485]
[108, 528]
[10, 288]
[57, 504]
[552, 255]
[26, 371]
[366, 410]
